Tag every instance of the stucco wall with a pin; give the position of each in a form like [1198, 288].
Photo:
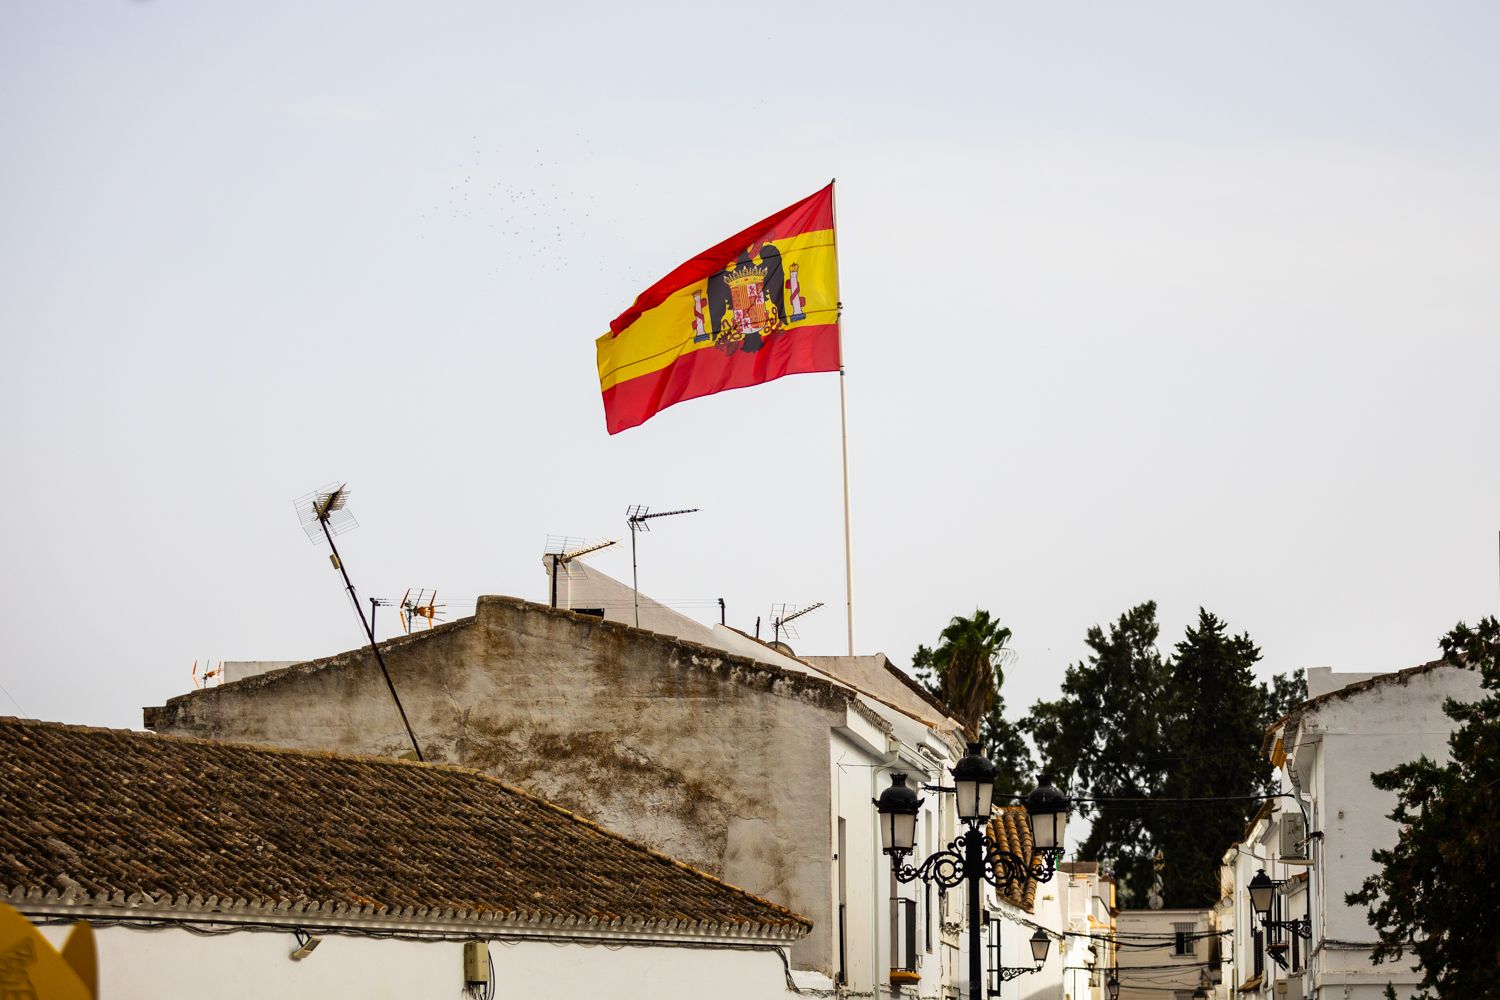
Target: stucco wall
[253, 965]
[1373, 729]
[1144, 971]
[711, 758]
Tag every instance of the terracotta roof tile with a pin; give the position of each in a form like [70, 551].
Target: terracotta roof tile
[1010, 829]
[120, 814]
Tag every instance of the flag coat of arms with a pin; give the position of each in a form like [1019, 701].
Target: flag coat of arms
[758, 306]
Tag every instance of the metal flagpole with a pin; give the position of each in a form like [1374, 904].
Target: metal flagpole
[843, 426]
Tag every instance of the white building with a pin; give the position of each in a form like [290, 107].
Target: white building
[233, 871]
[1316, 842]
[1164, 953]
[1089, 912]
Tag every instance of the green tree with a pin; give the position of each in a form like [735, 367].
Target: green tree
[1214, 723]
[1130, 725]
[1102, 739]
[965, 672]
[1435, 891]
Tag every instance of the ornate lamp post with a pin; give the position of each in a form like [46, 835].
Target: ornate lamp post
[973, 855]
[1112, 984]
[1262, 891]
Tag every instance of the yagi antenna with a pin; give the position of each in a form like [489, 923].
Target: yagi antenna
[563, 550]
[324, 512]
[782, 615]
[638, 517]
[423, 605]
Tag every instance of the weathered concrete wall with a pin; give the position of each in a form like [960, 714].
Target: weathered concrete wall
[711, 758]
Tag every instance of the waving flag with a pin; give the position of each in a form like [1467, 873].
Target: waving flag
[760, 305]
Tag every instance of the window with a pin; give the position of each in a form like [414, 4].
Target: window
[843, 977]
[1184, 942]
[903, 934]
[1259, 944]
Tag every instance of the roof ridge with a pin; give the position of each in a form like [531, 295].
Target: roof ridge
[797, 678]
[1356, 687]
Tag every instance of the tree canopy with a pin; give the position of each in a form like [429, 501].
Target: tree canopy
[1131, 725]
[1435, 891]
[965, 672]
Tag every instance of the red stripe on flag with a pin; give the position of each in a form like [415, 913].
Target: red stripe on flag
[709, 370]
[809, 215]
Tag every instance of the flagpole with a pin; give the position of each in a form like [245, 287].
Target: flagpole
[843, 426]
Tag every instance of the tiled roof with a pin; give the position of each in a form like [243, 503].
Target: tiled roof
[96, 815]
[1011, 831]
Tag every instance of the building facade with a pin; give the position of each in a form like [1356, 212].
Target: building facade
[1315, 841]
[748, 764]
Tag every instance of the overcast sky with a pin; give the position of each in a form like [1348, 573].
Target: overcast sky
[1142, 301]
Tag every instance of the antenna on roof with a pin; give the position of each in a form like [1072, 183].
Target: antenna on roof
[638, 516]
[562, 550]
[209, 673]
[324, 512]
[424, 605]
[782, 616]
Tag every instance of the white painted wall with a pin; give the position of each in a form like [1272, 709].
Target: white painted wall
[137, 964]
[1334, 750]
[1159, 968]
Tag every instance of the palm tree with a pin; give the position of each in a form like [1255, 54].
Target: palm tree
[967, 662]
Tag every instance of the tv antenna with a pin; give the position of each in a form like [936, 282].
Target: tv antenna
[562, 550]
[424, 605]
[209, 673]
[782, 616]
[324, 512]
[638, 517]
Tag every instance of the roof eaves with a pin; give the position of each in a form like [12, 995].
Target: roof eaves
[414, 921]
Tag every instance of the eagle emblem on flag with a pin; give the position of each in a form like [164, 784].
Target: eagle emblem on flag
[747, 302]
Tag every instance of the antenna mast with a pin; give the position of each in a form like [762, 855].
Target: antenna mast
[637, 516]
[325, 512]
[569, 549]
[781, 620]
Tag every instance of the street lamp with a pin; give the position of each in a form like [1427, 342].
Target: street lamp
[1040, 942]
[1112, 984]
[1262, 891]
[973, 856]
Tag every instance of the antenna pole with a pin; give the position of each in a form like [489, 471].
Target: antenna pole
[554, 579]
[721, 612]
[635, 582]
[370, 631]
[843, 430]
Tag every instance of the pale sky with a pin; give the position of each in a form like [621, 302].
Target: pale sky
[1142, 301]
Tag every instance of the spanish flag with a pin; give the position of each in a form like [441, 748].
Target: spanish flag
[760, 305]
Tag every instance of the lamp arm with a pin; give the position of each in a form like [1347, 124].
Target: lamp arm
[1007, 973]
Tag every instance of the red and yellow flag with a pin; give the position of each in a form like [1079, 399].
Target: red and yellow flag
[760, 305]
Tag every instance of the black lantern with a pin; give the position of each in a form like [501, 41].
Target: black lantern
[1047, 809]
[898, 806]
[1040, 942]
[1261, 891]
[1200, 994]
[1112, 985]
[974, 781]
